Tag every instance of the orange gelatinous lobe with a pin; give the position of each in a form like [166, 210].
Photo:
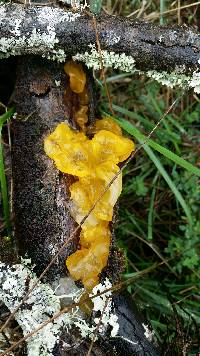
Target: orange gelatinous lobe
[81, 117]
[77, 85]
[107, 124]
[83, 97]
[94, 162]
[77, 76]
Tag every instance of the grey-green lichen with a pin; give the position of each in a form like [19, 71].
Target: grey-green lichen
[176, 79]
[46, 41]
[195, 82]
[79, 5]
[92, 59]
[169, 79]
[43, 303]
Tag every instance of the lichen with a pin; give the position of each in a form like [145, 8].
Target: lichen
[169, 79]
[44, 303]
[103, 304]
[45, 40]
[176, 79]
[79, 5]
[41, 304]
[58, 55]
[111, 38]
[50, 15]
[195, 82]
[92, 59]
[58, 83]
[149, 334]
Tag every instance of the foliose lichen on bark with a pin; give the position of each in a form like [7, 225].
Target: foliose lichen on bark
[43, 303]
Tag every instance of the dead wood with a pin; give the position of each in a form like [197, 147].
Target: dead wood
[47, 30]
[41, 215]
[41, 197]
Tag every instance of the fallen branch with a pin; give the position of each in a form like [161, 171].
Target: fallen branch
[54, 33]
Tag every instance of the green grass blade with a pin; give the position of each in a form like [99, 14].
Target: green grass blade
[127, 126]
[150, 214]
[132, 130]
[170, 183]
[162, 9]
[3, 183]
[6, 116]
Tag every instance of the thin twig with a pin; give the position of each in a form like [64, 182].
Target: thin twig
[102, 67]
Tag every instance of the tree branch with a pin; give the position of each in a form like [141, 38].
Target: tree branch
[54, 33]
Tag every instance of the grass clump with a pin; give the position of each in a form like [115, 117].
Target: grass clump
[159, 215]
[159, 209]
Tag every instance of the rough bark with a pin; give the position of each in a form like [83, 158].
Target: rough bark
[46, 31]
[41, 215]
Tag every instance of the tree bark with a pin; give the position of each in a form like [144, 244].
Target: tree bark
[41, 216]
[49, 31]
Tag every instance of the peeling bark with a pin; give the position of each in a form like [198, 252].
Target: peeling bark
[49, 31]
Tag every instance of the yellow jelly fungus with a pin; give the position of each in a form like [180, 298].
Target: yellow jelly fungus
[83, 98]
[109, 146]
[94, 162]
[76, 75]
[77, 85]
[107, 124]
[81, 117]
